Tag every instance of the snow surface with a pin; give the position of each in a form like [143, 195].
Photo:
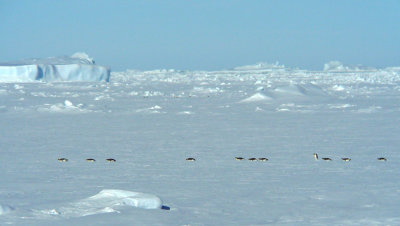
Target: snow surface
[151, 121]
[78, 67]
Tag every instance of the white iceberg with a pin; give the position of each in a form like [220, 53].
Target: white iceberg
[78, 67]
[261, 66]
[337, 66]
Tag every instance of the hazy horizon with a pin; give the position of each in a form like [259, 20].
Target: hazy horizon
[204, 35]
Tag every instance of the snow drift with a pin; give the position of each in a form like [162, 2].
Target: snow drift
[107, 201]
[258, 97]
[78, 67]
[290, 92]
[5, 209]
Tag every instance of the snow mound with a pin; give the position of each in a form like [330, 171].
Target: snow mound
[258, 97]
[107, 201]
[151, 110]
[78, 67]
[111, 198]
[185, 113]
[298, 90]
[5, 209]
[287, 92]
[66, 107]
[338, 88]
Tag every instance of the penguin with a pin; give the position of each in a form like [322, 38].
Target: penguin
[263, 159]
[382, 159]
[316, 156]
[191, 159]
[111, 160]
[327, 159]
[63, 160]
[346, 159]
[90, 160]
[239, 158]
[252, 159]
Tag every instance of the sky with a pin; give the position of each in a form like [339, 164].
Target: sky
[203, 34]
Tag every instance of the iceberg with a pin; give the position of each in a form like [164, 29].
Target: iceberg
[261, 66]
[337, 66]
[78, 67]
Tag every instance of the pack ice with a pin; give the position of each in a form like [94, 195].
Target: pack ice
[78, 67]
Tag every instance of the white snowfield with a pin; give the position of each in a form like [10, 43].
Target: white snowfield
[150, 122]
[78, 67]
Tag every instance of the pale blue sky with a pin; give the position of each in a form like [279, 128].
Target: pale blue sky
[203, 34]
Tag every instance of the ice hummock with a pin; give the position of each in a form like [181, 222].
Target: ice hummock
[289, 92]
[5, 209]
[78, 67]
[106, 201]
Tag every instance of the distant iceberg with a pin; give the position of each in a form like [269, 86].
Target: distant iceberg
[338, 66]
[78, 67]
[261, 66]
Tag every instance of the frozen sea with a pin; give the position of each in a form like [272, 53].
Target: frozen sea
[151, 121]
